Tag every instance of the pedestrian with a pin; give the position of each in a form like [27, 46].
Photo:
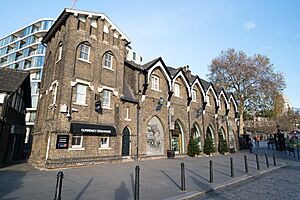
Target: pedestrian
[250, 146]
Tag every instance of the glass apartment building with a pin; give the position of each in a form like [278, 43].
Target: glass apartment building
[23, 50]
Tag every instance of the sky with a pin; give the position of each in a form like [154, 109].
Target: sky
[189, 32]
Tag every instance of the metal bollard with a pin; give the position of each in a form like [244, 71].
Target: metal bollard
[211, 179]
[137, 183]
[231, 167]
[267, 160]
[274, 160]
[60, 176]
[182, 177]
[257, 163]
[246, 164]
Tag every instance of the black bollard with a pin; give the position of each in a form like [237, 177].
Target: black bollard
[298, 153]
[211, 171]
[60, 176]
[274, 160]
[137, 183]
[182, 177]
[267, 160]
[231, 167]
[246, 164]
[257, 163]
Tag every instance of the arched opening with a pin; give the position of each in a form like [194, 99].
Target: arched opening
[126, 142]
[231, 136]
[210, 133]
[222, 133]
[155, 137]
[177, 140]
[196, 133]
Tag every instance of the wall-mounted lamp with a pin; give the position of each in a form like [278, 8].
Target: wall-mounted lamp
[199, 112]
[160, 103]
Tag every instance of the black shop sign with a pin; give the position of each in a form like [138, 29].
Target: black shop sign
[62, 142]
[92, 129]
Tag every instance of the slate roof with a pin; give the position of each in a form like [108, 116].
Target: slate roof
[205, 84]
[11, 79]
[128, 94]
[133, 65]
[173, 71]
[148, 64]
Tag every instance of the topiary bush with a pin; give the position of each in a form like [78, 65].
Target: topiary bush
[209, 146]
[193, 148]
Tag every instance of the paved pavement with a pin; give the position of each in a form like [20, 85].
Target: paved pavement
[159, 179]
[277, 184]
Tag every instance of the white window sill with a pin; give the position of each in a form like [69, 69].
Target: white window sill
[80, 104]
[126, 119]
[87, 61]
[107, 108]
[104, 148]
[111, 69]
[156, 90]
[76, 148]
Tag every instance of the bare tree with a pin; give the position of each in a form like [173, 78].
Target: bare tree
[251, 79]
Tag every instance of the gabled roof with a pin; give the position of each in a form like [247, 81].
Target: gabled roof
[173, 71]
[11, 79]
[205, 84]
[61, 20]
[150, 63]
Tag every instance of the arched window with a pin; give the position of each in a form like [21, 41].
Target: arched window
[108, 61]
[84, 52]
[59, 54]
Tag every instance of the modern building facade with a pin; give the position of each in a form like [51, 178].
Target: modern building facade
[23, 50]
[14, 99]
[99, 103]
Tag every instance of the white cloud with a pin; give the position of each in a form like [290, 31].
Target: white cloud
[249, 25]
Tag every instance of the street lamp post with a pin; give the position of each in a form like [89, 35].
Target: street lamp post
[276, 136]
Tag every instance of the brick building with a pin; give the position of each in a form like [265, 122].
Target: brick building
[99, 103]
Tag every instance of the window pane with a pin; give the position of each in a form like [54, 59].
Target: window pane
[80, 93]
[76, 140]
[108, 60]
[84, 52]
[106, 98]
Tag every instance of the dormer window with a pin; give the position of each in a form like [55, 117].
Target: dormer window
[107, 61]
[155, 83]
[177, 90]
[208, 100]
[194, 95]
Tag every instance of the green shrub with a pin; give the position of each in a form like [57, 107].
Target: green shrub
[223, 147]
[193, 148]
[209, 146]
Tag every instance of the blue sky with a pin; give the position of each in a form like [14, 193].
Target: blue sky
[189, 32]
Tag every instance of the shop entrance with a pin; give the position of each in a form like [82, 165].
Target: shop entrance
[126, 142]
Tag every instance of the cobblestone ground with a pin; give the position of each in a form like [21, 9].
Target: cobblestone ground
[283, 183]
